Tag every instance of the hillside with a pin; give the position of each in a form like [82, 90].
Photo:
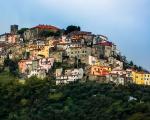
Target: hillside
[66, 55]
[42, 100]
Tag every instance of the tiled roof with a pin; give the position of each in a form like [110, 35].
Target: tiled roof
[50, 27]
[105, 43]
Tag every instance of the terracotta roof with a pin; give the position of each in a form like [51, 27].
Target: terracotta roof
[105, 43]
[50, 27]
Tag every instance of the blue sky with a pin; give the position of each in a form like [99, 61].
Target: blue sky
[125, 22]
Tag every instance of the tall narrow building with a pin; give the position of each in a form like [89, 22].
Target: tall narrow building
[14, 29]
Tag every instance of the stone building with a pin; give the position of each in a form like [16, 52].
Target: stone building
[34, 33]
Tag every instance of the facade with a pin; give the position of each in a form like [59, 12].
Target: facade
[93, 60]
[118, 76]
[78, 52]
[78, 35]
[100, 70]
[104, 49]
[129, 75]
[46, 63]
[13, 38]
[4, 37]
[37, 67]
[45, 51]
[147, 79]
[25, 66]
[117, 79]
[138, 77]
[40, 73]
[118, 72]
[69, 76]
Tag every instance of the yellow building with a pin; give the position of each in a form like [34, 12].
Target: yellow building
[138, 77]
[44, 51]
[147, 78]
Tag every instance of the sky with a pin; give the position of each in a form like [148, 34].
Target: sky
[124, 22]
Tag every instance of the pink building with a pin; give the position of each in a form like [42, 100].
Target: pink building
[12, 38]
[24, 65]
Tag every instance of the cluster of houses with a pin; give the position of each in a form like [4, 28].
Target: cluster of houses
[78, 55]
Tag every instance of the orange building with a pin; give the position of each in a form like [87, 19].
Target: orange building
[100, 70]
[24, 65]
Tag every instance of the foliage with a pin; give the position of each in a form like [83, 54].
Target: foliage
[72, 28]
[22, 30]
[48, 33]
[41, 100]
[12, 65]
[5, 76]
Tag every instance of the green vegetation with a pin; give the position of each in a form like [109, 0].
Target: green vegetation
[48, 33]
[22, 30]
[6, 76]
[72, 28]
[42, 100]
[12, 65]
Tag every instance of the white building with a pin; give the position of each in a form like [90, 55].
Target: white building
[118, 76]
[69, 76]
[46, 63]
[147, 79]
[4, 37]
[40, 73]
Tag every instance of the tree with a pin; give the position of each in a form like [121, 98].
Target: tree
[12, 65]
[72, 28]
[131, 63]
[46, 33]
[140, 68]
[22, 30]
[41, 100]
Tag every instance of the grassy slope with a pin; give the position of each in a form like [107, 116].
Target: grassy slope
[6, 76]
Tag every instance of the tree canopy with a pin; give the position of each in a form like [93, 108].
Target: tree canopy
[48, 33]
[42, 100]
[72, 28]
[22, 30]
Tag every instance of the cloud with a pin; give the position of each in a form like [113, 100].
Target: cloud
[110, 11]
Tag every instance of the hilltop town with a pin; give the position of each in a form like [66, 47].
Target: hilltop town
[66, 55]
